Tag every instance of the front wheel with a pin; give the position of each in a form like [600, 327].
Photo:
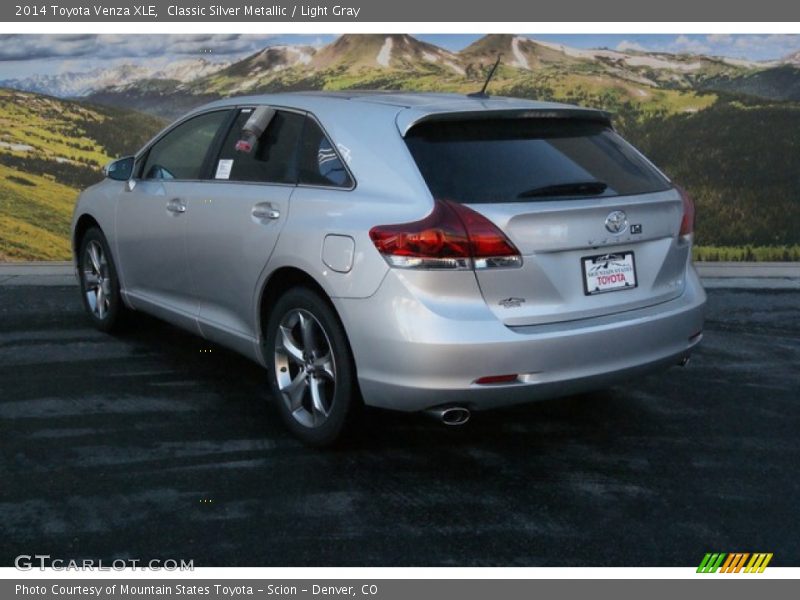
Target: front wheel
[99, 282]
[312, 373]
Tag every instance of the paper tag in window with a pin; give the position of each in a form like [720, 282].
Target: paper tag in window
[224, 167]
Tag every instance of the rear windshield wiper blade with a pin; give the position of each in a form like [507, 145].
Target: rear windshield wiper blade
[574, 188]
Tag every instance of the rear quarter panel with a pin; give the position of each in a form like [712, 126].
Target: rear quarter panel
[388, 189]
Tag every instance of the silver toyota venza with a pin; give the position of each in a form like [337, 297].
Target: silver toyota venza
[418, 252]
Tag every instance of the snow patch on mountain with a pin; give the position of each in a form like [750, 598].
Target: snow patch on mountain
[16, 147]
[792, 59]
[519, 58]
[751, 64]
[385, 53]
[302, 57]
[631, 60]
[567, 50]
[188, 70]
[457, 68]
[660, 63]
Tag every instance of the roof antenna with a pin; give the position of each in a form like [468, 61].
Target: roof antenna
[482, 93]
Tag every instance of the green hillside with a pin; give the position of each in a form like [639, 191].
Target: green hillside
[49, 149]
[740, 162]
[779, 83]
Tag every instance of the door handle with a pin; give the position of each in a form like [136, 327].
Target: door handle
[176, 206]
[265, 211]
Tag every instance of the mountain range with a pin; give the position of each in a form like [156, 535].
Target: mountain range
[728, 130]
[374, 58]
[632, 82]
[82, 83]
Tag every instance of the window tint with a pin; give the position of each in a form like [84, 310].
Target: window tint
[180, 154]
[508, 160]
[319, 163]
[272, 159]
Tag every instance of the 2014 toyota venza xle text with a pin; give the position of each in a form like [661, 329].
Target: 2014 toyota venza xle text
[418, 252]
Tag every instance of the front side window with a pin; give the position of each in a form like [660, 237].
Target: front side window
[181, 153]
[271, 159]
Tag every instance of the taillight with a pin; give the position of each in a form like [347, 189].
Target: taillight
[687, 220]
[489, 246]
[452, 236]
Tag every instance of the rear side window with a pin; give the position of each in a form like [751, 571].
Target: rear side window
[524, 160]
[272, 159]
[182, 152]
[319, 163]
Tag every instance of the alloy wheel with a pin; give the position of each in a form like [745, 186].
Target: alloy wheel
[305, 368]
[97, 279]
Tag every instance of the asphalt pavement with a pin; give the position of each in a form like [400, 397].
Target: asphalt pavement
[155, 444]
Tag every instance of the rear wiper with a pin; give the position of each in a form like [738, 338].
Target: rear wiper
[575, 188]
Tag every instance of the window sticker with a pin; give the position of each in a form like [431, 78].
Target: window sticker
[224, 167]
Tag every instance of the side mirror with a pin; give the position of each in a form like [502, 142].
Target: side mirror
[120, 169]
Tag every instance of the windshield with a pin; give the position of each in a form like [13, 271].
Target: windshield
[528, 160]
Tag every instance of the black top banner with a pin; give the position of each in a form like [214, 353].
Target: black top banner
[473, 11]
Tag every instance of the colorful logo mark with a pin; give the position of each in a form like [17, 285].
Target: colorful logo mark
[734, 562]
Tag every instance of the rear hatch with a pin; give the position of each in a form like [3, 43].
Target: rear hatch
[598, 226]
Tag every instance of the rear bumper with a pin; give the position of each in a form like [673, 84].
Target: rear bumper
[411, 358]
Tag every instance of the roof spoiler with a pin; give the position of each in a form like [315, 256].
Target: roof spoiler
[410, 118]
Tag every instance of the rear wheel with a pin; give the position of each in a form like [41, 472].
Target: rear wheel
[99, 282]
[312, 374]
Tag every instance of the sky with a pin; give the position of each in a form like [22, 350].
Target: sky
[24, 55]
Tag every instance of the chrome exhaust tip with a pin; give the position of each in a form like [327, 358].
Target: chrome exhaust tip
[684, 361]
[451, 415]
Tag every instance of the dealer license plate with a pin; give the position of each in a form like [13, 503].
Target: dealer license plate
[608, 273]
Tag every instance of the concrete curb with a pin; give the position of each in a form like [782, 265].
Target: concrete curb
[750, 275]
[45, 273]
[767, 275]
[760, 270]
[749, 283]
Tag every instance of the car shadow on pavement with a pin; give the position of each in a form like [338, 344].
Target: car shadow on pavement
[237, 381]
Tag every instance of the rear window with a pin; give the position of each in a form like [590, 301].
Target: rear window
[525, 160]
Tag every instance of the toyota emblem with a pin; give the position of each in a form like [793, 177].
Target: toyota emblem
[617, 222]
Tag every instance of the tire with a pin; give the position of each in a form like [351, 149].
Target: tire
[99, 282]
[311, 368]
